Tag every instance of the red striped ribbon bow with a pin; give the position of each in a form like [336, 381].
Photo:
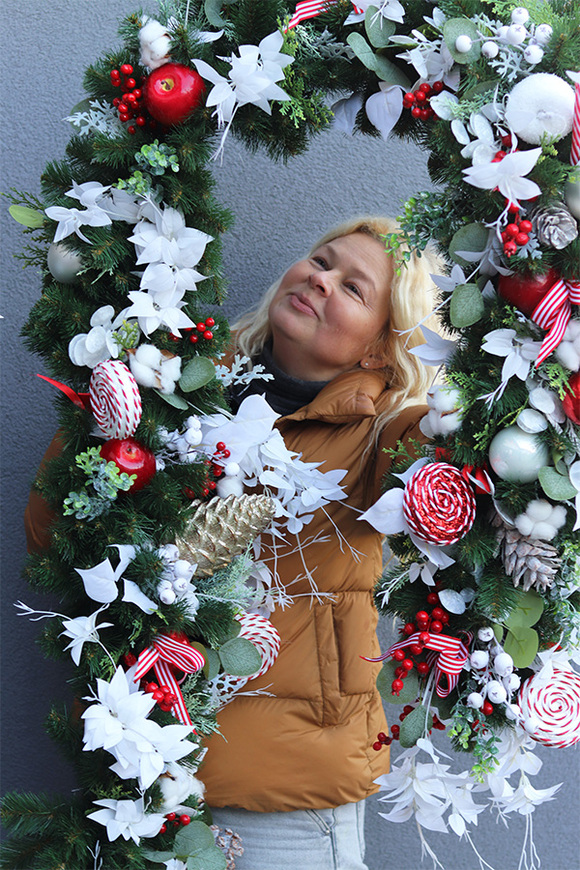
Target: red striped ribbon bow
[166, 651]
[311, 8]
[449, 655]
[553, 313]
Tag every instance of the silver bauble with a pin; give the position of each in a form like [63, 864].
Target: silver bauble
[572, 192]
[517, 456]
[64, 265]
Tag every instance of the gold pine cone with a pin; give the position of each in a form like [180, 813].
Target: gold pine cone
[223, 528]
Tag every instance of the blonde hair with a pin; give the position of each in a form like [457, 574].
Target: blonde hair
[411, 302]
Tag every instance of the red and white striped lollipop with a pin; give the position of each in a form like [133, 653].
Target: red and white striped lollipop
[551, 709]
[115, 399]
[260, 631]
[439, 504]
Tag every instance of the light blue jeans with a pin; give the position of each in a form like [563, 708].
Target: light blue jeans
[327, 839]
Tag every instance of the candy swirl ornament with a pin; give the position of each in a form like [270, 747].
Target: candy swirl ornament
[260, 631]
[551, 708]
[115, 399]
[439, 504]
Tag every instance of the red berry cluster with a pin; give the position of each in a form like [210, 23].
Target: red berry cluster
[516, 234]
[128, 105]
[162, 694]
[215, 467]
[418, 101]
[425, 623]
[382, 740]
[175, 821]
[202, 330]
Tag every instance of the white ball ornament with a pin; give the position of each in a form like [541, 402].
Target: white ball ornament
[572, 192]
[514, 682]
[516, 34]
[230, 486]
[496, 692]
[520, 15]
[517, 456]
[490, 50]
[543, 34]
[475, 700]
[479, 659]
[485, 634]
[63, 265]
[503, 664]
[533, 54]
[183, 568]
[167, 596]
[513, 712]
[501, 33]
[463, 43]
[539, 106]
[169, 552]
[181, 585]
[231, 469]
[193, 437]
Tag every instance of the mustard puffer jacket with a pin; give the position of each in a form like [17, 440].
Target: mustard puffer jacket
[308, 743]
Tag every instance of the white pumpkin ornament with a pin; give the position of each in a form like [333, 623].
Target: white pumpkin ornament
[541, 105]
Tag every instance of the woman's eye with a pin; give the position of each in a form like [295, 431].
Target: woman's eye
[354, 289]
[320, 261]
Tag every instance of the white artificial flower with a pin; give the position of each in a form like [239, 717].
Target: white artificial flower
[392, 10]
[155, 43]
[127, 819]
[507, 175]
[89, 193]
[81, 630]
[122, 707]
[167, 238]
[519, 355]
[147, 748]
[101, 580]
[384, 108]
[175, 864]
[436, 351]
[152, 367]
[433, 62]
[252, 79]
[483, 148]
[70, 220]
[99, 343]
[151, 314]
[121, 205]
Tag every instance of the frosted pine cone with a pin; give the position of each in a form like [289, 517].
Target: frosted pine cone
[528, 561]
[555, 226]
[223, 528]
[230, 843]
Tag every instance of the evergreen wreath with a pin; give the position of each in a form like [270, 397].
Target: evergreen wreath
[486, 570]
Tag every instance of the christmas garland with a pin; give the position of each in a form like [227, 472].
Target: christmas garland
[482, 524]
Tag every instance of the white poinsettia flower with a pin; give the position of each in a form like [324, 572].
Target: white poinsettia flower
[507, 175]
[121, 707]
[159, 240]
[81, 630]
[520, 354]
[171, 277]
[127, 819]
[432, 61]
[483, 148]
[147, 748]
[436, 351]
[151, 314]
[70, 220]
[121, 205]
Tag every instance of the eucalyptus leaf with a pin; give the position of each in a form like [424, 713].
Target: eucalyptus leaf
[522, 645]
[408, 693]
[383, 68]
[414, 726]
[157, 857]
[192, 839]
[172, 399]
[210, 859]
[212, 10]
[212, 664]
[379, 29]
[529, 609]
[472, 237]
[556, 486]
[28, 217]
[466, 306]
[240, 658]
[198, 372]
[456, 27]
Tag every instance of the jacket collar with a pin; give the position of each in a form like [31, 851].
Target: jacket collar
[345, 398]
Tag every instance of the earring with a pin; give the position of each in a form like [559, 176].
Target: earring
[366, 365]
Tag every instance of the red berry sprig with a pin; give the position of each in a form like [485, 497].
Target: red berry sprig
[129, 104]
[175, 821]
[162, 695]
[425, 624]
[215, 467]
[418, 101]
[515, 235]
[202, 330]
[382, 740]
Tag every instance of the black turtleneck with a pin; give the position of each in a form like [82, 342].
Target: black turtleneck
[283, 393]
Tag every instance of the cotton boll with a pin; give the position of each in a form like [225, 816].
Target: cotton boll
[230, 486]
[541, 520]
[539, 510]
[144, 375]
[443, 398]
[568, 351]
[177, 784]
[148, 355]
[155, 44]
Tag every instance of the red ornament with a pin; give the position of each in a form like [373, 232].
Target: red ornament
[438, 504]
[526, 291]
[571, 401]
[132, 457]
[172, 92]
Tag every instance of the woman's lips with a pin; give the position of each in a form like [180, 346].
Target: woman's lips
[302, 303]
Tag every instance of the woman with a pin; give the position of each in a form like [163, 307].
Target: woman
[292, 765]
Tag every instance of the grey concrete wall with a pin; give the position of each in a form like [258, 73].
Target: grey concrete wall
[44, 49]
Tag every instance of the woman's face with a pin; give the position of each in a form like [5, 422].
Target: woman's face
[329, 309]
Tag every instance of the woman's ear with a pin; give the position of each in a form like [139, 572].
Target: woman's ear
[373, 361]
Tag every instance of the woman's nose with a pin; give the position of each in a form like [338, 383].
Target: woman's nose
[322, 281]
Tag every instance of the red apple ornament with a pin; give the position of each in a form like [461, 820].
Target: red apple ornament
[571, 401]
[172, 92]
[526, 291]
[132, 457]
